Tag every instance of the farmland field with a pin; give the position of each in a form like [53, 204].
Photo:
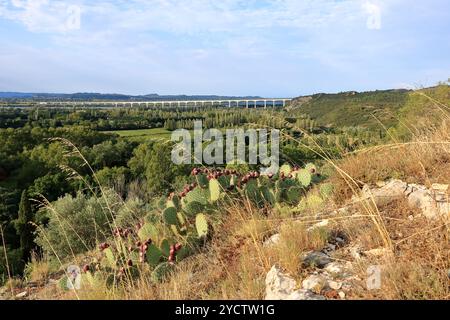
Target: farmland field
[142, 135]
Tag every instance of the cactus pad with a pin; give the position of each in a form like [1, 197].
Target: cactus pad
[202, 180]
[165, 247]
[161, 272]
[148, 231]
[214, 189]
[286, 169]
[170, 216]
[201, 225]
[192, 208]
[110, 257]
[311, 168]
[304, 177]
[199, 195]
[175, 202]
[154, 255]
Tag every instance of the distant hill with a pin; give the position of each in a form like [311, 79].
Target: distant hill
[15, 95]
[86, 96]
[365, 109]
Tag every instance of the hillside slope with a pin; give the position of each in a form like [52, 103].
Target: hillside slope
[371, 109]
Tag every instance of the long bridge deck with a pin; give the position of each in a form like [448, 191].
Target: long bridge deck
[245, 103]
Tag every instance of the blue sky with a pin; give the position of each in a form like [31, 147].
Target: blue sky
[272, 48]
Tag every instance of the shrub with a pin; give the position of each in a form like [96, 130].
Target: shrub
[76, 223]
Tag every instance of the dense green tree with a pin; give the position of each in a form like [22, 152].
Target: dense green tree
[141, 157]
[24, 226]
[160, 171]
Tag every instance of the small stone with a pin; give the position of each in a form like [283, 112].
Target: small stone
[380, 184]
[341, 295]
[334, 285]
[315, 283]
[22, 295]
[280, 286]
[330, 247]
[273, 240]
[316, 259]
[411, 217]
[320, 224]
[355, 252]
[334, 268]
[423, 200]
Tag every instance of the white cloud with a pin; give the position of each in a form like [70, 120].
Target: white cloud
[180, 16]
[42, 16]
[374, 15]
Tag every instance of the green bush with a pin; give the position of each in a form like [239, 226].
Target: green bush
[77, 224]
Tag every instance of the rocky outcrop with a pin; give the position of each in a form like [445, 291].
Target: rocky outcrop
[280, 286]
[315, 259]
[434, 203]
[273, 240]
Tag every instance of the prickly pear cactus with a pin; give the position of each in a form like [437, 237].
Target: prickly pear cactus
[268, 195]
[311, 168]
[215, 189]
[170, 216]
[165, 247]
[198, 195]
[304, 177]
[293, 195]
[153, 255]
[161, 272]
[174, 202]
[186, 223]
[252, 192]
[201, 224]
[225, 182]
[148, 231]
[193, 208]
[285, 169]
[202, 180]
[110, 257]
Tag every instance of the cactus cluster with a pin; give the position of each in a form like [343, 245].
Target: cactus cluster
[184, 220]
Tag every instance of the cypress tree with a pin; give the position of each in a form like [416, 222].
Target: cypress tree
[23, 226]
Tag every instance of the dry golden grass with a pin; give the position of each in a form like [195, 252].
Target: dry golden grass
[294, 242]
[425, 160]
[418, 265]
[38, 269]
